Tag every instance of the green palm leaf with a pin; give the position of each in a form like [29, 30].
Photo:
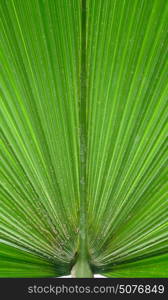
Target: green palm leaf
[83, 176]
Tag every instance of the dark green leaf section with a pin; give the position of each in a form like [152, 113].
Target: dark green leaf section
[152, 267]
[19, 263]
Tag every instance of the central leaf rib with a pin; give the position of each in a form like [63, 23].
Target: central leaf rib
[82, 268]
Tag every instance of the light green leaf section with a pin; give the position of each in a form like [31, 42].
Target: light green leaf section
[127, 100]
[124, 108]
[39, 196]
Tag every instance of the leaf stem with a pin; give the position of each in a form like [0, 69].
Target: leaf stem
[82, 268]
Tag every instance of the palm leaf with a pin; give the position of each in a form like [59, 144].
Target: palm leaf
[83, 176]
